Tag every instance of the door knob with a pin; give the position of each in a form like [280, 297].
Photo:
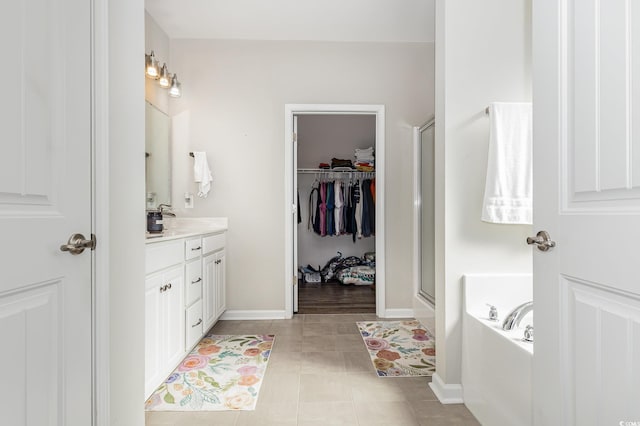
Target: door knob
[77, 243]
[542, 241]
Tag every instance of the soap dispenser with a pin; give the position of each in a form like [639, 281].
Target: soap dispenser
[154, 221]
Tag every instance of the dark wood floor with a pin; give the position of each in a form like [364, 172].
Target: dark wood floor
[335, 298]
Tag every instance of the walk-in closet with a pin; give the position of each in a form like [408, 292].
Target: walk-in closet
[336, 178]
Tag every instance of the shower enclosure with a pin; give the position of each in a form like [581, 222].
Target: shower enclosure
[424, 139]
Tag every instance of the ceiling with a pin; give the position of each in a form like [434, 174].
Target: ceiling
[317, 20]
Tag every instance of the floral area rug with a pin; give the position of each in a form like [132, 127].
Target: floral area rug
[399, 348]
[221, 373]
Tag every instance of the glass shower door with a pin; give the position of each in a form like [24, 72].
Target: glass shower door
[426, 220]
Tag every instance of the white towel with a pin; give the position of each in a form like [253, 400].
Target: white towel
[364, 150]
[202, 173]
[508, 188]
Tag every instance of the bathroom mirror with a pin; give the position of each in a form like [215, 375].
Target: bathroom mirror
[158, 159]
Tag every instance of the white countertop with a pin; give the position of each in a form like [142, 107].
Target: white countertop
[181, 227]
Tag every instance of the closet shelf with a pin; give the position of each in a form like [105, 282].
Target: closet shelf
[334, 171]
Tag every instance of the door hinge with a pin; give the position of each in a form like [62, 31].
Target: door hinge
[295, 280]
[295, 137]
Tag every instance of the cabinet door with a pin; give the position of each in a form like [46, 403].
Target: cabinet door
[173, 315]
[153, 366]
[221, 283]
[209, 290]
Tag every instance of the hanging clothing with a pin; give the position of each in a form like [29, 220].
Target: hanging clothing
[313, 223]
[337, 210]
[343, 218]
[373, 189]
[342, 207]
[323, 209]
[368, 210]
[357, 232]
[331, 229]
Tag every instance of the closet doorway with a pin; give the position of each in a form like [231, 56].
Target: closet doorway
[307, 145]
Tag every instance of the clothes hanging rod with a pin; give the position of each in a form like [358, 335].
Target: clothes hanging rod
[302, 170]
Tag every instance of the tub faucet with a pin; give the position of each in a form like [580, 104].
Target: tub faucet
[513, 319]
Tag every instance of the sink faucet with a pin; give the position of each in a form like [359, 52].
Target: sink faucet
[164, 209]
[513, 319]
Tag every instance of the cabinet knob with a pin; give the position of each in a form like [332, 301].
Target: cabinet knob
[196, 281]
[198, 323]
[196, 248]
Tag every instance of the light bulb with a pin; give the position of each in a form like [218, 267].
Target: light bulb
[151, 64]
[164, 80]
[175, 91]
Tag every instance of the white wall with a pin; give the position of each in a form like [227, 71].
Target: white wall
[126, 211]
[321, 138]
[236, 92]
[483, 55]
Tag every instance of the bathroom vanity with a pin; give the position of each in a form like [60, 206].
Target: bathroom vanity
[185, 291]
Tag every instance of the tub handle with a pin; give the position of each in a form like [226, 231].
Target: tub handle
[493, 312]
[542, 240]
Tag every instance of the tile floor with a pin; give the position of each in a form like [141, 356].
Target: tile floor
[320, 373]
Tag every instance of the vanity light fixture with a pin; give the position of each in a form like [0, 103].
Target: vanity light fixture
[165, 80]
[175, 91]
[151, 65]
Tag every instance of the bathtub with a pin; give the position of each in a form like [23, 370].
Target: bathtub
[496, 364]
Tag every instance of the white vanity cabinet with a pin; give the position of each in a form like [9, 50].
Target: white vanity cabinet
[185, 291]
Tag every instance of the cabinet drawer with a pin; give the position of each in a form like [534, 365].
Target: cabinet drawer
[162, 255]
[194, 324]
[192, 248]
[214, 242]
[194, 281]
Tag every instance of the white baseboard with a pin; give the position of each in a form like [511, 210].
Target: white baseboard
[447, 394]
[398, 313]
[252, 315]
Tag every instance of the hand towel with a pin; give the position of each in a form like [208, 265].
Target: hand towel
[202, 173]
[508, 187]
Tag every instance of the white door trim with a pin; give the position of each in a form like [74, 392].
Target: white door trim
[300, 109]
[100, 206]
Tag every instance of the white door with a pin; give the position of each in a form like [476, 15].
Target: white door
[587, 196]
[45, 197]
[294, 212]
